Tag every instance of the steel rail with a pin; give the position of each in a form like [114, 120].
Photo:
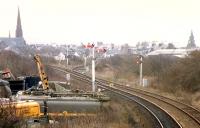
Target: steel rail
[185, 108]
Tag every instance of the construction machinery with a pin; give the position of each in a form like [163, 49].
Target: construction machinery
[34, 85]
[57, 102]
[27, 109]
[42, 74]
[19, 83]
[35, 102]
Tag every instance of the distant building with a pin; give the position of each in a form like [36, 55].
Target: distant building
[172, 52]
[99, 44]
[18, 40]
[112, 46]
[60, 57]
[124, 49]
[191, 42]
[132, 50]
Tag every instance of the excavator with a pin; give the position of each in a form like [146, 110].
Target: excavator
[42, 88]
[24, 107]
[28, 109]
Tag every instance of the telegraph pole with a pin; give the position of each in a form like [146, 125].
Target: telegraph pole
[93, 70]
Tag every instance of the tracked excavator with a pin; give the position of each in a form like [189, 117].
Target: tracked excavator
[27, 109]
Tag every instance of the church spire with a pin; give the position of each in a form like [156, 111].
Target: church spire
[19, 32]
[191, 41]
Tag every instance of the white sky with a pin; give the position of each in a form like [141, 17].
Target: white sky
[110, 21]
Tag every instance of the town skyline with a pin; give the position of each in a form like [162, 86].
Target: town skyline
[109, 22]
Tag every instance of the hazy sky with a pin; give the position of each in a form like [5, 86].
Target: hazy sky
[110, 21]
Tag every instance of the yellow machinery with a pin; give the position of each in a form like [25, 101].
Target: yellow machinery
[42, 74]
[28, 109]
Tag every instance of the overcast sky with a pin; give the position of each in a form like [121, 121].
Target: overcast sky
[109, 21]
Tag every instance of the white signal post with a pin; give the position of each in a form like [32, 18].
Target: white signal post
[93, 65]
[141, 71]
[93, 70]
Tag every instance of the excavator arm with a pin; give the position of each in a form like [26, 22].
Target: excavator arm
[43, 76]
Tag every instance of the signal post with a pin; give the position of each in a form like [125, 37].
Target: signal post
[140, 61]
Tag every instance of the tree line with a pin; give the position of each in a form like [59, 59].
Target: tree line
[167, 71]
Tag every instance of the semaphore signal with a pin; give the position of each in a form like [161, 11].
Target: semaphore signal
[139, 59]
[100, 50]
[92, 46]
[88, 45]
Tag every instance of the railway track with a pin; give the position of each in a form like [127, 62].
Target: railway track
[187, 115]
[188, 112]
[159, 117]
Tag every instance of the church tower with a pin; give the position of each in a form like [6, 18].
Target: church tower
[19, 32]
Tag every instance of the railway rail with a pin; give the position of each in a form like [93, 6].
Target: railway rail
[180, 110]
[160, 117]
[187, 111]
